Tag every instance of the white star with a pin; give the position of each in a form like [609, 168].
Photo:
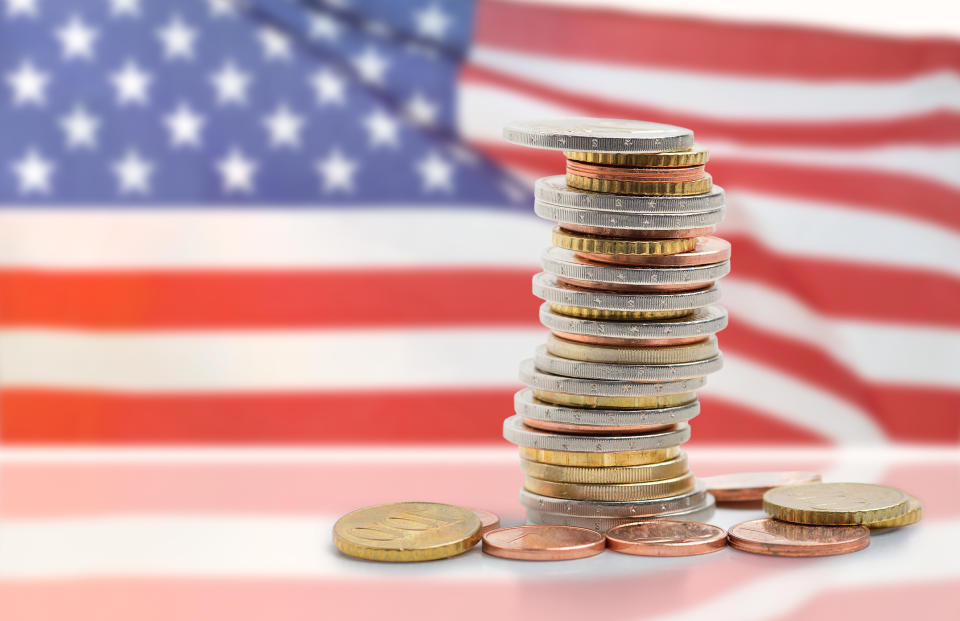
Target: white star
[27, 8]
[322, 26]
[33, 172]
[284, 127]
[133, 173]
[436, 173]
[371, 66]
[125, 7]
[185, 126]
[329, 87]
[76, 39]
[432, 22]
[231, 84]
[222, 8]
[80, 128]
[177, 38]
[29, 84]
[131, 84]
[236, 172]
[421, 110]
[382, 128]
[275, 44]
[337, 172]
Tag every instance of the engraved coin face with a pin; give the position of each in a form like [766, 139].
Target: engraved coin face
[776, 538]
[835, 503]
[590, 134]
[407, 531]
[543, 543]
[666, 538]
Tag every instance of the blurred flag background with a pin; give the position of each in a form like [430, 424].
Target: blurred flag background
[234, 224]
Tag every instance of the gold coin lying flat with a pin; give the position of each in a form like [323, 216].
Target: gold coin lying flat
[641, 188]
[610, 474]
[599, 460]
[835, 504]
[407, 531]
[694, 156]
[579, 242]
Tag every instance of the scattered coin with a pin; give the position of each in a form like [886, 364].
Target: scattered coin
[666, 538]
[488, 521]
[543, 543]
[407, 531]
[750, 486]
[776, 538]
[836, 503]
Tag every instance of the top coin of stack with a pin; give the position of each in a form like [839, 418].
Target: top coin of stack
[629, 296]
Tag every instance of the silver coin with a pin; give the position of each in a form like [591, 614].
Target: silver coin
[610, 509]
[526, 406]
[631, 221]
[538, 380]
[566, 264]
[555, 365]
[698, 513]
[554, 190]
[602, 135]
[547, 287]
[515, 431]
[703, 321]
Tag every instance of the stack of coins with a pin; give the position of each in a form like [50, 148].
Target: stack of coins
[629, 290]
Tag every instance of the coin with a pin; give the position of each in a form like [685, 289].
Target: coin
[548, 363]
[693, 156]
[624, 223]
[641, 188]
[635, 173]
[702, 322]
[835, 503]
[612, 474]
[625, 403]
[543, 543]
[549, 288]
[538, 380]
[566, 264]
[515, 431]
[554, 190]
[590, 134]
[666, 538]
[601, 245]
[646, 490]
[776, 538]
[913, 514]
[615, 458]
[616, 315]
[407, 531]
[603, 231]
[708, 250]
[750, 486]
[608, 509]
[537, 413]
[676, 354]
[488, 521]
[700, 512]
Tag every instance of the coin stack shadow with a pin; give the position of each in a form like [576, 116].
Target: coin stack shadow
[629, 288]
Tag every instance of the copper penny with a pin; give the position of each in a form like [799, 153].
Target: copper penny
[666, 538]
[776, 538]
[630, 173]
[609, 286]
[488, 521]
[708, 250]
[543, 543]
[750, 486]
[622, 342]
[604, 231]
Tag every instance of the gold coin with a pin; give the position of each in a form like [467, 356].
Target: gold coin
[629, 403]
[579, 242]
[611, 474]
[614, 492]
[672, 354]
[694, 156]
[912, 516]
[599, 460]
[835, 504]
[407, 531]
[641, 188]
[617, 315]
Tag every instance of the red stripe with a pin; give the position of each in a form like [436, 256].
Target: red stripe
[867, 190]
[939, 127]
[704, 45]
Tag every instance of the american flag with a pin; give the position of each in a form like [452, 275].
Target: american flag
[281, 243]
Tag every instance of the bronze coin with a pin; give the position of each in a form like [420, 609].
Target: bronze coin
[666, 538]
[543, 543]
[776, 538]
[750, 486]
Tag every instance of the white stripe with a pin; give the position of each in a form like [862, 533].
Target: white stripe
[283, 547]
[728, 96]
